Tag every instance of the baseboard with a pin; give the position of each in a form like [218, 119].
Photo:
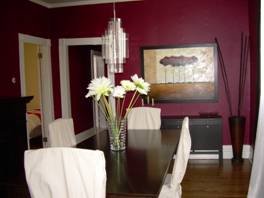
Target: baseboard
[227, 149]
[203, 156]
[251, 154]
[80, 137]
[227, 153]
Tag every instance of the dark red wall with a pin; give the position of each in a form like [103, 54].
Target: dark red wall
[80, 76]
[18, 16]
[170, 22]
[148, 22]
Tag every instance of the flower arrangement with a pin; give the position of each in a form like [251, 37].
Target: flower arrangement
[102, 88]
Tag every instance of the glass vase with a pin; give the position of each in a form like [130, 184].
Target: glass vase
[117, 134]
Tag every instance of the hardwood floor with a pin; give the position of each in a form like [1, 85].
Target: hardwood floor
[203, 179]
[208, 179]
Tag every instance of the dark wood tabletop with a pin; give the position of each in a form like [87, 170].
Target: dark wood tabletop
[138, 171]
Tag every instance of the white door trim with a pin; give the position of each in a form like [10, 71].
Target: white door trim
[64, 43]
[46, 75]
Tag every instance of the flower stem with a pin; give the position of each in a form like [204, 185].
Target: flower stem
[131, 104]
[108, 108]
[123, 102]
[135, 100]
[102, 108]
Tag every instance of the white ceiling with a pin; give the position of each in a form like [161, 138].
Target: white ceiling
[66, 3]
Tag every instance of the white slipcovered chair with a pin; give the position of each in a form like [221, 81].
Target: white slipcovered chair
[61, 133]
[172, 185]
[65, 172]
[144, 118]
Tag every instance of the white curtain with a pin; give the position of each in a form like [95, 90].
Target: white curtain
[256, 189]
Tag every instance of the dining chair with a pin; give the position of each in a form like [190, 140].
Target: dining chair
[65, 172]
[144, 118]
[61, 133]
[172, 185]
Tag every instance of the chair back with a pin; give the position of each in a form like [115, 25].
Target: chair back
[61, 133]
[65, 172]
[182, 155]
[144, 118]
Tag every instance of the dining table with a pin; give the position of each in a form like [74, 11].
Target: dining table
[140, 169]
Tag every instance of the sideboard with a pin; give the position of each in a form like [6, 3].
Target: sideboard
[206, 133]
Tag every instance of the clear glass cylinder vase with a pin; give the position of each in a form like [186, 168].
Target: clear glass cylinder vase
[117, 134]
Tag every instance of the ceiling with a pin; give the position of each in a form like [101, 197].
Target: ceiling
[62, 1]
[66, 3]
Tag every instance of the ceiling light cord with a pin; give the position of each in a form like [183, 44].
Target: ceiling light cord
[114, 11]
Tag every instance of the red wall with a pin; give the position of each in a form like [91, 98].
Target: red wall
[148, 22]
[18, 16]
[170, 22]
[80, 76]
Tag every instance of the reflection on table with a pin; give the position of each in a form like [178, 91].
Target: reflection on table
[139, 170]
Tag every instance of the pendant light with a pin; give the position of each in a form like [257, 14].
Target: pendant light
[115, 45]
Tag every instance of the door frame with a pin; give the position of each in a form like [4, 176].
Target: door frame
[97, 114]
[47, 104]
[64, 44]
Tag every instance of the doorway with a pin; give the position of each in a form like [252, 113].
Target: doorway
[98, 70]
[65, 45]
[80, 75]
[33, 88]
[35, 68]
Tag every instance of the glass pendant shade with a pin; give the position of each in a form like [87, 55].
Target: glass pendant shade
[114, 46]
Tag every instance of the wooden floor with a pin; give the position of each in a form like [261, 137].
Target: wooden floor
[203, 179]
[206, 179]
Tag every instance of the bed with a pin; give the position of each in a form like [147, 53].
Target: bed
[33, 123]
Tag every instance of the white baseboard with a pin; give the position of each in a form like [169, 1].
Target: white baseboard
[227, 149]
[84, 135]
[203, 156]
[80, 137]
[251, 153]
[227, 153]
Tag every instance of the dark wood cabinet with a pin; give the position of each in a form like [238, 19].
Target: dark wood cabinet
[206, 133]
[13, 135]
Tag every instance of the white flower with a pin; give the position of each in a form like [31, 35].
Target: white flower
[102, 86]
[119, 92]
[128, 85]
[98, 87]
[141, 86]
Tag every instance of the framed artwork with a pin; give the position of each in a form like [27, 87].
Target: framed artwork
[185, 73]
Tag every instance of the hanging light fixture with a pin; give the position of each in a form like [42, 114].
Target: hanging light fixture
[114, 45]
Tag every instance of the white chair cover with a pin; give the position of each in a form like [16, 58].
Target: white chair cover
[172, 185]
[61, 133]
[144, 118]
[65, 173]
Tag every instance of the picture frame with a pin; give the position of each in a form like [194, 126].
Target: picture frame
[181, 73]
